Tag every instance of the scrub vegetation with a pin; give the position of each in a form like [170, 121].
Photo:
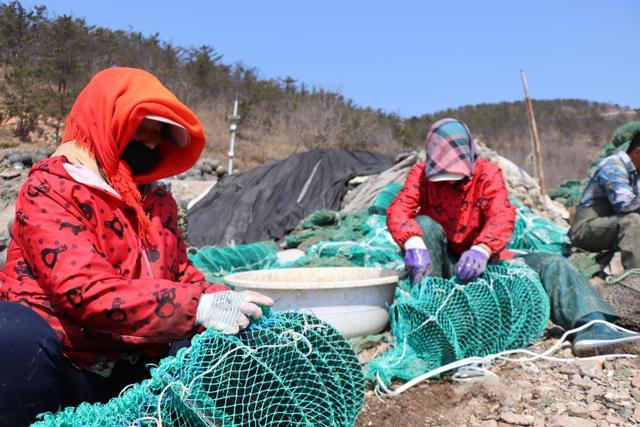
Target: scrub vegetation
[45, 60]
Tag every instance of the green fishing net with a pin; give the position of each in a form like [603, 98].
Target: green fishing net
[441, 321]
[568, 193]
[216, 262]
[533, 233]
[358, 239]
[624, 134]
[326, 225]
[375, 247]
[384, 199]
[289, 369]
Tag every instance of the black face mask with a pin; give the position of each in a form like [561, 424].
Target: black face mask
[140, 158]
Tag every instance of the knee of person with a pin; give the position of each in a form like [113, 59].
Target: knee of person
[429, 225]
[24, 332]
[631, 219]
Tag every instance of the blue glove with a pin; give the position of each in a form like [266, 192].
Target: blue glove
[472, 264]
[417, 262]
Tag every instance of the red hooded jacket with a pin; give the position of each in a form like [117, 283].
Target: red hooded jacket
[471, 212]
[104, 265]
[76, 260]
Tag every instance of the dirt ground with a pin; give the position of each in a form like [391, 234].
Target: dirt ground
[541, 393]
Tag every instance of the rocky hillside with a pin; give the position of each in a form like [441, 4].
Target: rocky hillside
[572, 132]
[45, 61]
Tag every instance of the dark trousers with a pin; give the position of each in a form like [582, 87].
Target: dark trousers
[571, 297]
[35, 377]
[599, 229]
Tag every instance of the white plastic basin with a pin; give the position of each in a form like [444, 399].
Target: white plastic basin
[352, 299]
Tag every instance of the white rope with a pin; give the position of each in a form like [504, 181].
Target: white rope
[471, 368]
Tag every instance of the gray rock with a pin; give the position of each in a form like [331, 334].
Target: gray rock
[7, 153]
[14, 158]
[583, 383]
[221, 170]
[3, 258]
[613, 419]
[578, 410]
[568, 421]
[568, 369]
[590, 368]
[595, 407]
[516, 419]
[597, 391]
[4, 239]
[47, 152]
[38, 158]
[597, 415]
[206, 168]
[635, 381]
[9, 174]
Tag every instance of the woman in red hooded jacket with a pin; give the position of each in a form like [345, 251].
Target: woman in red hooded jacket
[97, 280]
[453, 216]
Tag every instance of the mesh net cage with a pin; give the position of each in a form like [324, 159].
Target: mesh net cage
[441, 321]
[289, 369]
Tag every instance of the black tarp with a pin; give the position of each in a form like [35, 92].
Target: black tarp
[269, 201]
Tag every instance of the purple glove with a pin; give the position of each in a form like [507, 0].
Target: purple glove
[472, 264]
[417, 262]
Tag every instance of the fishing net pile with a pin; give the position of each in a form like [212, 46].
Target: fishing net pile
[217, 262]
[568, 193]
[328, 238]
[441, 321]
[289, 369]
[533, 233]
[359, 239]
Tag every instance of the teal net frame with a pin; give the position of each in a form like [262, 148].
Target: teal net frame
[288, 369]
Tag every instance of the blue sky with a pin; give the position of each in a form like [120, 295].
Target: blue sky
[407, 57]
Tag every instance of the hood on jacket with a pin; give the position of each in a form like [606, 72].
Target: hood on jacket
[106, 115]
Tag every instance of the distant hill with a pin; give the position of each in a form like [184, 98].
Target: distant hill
[572, 131]
[45, 61]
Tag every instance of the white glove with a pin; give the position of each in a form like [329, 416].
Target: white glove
[229, 311]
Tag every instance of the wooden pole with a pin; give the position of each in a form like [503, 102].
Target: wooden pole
[534, 134]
